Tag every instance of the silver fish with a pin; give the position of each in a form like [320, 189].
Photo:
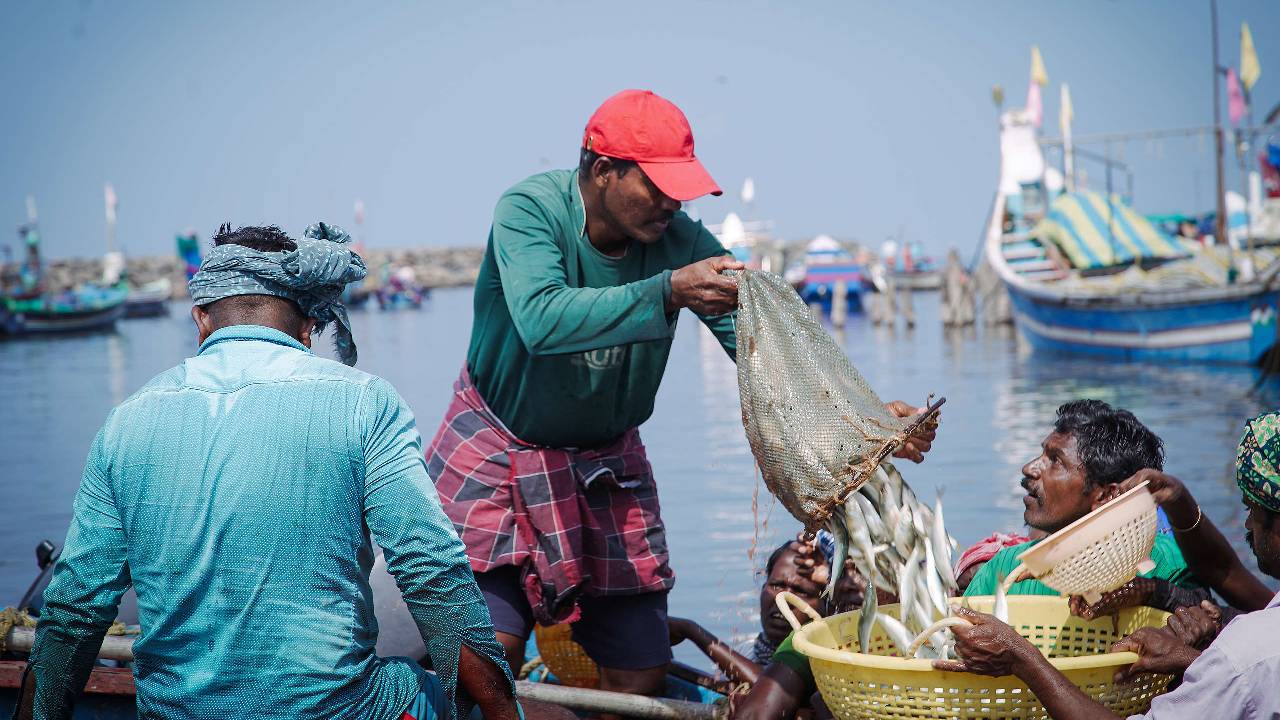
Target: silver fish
[896, 631]
[875, 526]
[933, 581]
[840, 533]
[922, 520]
[868, 620]
[889, 509]
[904, 533]
[894, 481]
[1000, 608]
[941, 549]
[923, 607]
[907, 584]
[859, 536]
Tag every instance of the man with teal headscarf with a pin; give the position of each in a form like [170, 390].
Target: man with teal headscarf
[240, 493]
[1234, 677]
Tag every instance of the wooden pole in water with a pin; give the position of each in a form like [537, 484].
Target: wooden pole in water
[839, 303]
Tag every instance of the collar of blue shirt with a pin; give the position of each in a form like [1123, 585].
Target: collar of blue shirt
[251, 332]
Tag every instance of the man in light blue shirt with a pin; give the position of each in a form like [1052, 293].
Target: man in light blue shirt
[241, 494]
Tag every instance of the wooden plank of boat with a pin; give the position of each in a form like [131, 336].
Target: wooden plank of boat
[102, 681]
[121, 648]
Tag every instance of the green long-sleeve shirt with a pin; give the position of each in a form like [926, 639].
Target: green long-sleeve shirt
[569, 345]
[1165, 554]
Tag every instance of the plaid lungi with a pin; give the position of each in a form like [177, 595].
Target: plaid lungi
[573, 520]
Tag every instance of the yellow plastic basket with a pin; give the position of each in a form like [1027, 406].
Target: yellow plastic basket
[881, 684]
[565, 658]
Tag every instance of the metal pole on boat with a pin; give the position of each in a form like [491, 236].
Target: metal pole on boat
[1220, 227]
[1068, 150]
[636, 706]
[1111, 209]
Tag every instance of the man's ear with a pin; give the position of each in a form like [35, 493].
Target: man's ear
[1104, 494]
[600, 170]
[304, 331]
[204, 323]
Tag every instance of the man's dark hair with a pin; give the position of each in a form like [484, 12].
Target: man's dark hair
[1112, 443]
[244, 309]
[589, 157]
[776, 555]
[267, 238]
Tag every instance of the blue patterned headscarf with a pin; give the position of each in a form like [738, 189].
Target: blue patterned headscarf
[314, 276]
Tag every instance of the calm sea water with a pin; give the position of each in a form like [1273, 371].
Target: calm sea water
[55, 393]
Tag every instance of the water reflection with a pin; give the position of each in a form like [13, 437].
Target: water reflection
[54, 395]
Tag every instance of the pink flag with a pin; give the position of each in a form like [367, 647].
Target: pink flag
[1035, 107]
[1235, 98]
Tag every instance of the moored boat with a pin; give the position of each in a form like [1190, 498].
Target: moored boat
[84, 310]
[827, 263]
[1086, 274]
[149, 300]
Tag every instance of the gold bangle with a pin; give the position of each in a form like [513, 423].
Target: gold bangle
[1194, 525]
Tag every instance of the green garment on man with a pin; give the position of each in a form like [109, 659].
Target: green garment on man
[569, 345]
[1165, 554]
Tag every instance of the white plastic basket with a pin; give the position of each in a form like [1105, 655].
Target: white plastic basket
[1097, 553]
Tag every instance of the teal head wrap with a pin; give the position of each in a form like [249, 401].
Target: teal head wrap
[1258, 461]
[314, 276]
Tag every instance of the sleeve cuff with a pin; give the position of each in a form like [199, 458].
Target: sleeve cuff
[666, 298]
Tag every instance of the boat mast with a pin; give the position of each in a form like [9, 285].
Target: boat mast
[1220, 228]
[109, 200]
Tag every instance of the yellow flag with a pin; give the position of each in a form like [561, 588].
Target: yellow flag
[1250, 70]
[1065, 112]
[1038, 75]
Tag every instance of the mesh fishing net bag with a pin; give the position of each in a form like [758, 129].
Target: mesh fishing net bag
[816, 428]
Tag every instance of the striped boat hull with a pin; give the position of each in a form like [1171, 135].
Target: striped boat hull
[1229, 330]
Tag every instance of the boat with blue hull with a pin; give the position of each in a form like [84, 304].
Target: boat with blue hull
[1088, 275]
[1238, 329]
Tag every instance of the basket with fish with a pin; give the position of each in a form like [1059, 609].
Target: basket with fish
[883, 680]
[1097, 553]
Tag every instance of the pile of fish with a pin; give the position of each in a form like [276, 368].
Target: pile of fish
[900, 546]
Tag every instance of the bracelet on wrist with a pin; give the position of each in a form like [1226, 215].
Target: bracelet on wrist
[1194, 525]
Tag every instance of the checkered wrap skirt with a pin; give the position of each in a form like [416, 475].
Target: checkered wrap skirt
[575, 521]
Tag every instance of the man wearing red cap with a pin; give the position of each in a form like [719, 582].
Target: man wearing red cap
[538, 461]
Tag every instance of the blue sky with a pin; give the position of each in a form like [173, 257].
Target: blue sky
[854, 118]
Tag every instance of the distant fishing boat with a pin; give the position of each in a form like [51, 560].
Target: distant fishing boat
[1086, 274]
[399, 290]
[827, 262]
[30, 309]
[911, 269]
[149, 300]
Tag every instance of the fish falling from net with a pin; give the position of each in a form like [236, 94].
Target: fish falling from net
[820, 436]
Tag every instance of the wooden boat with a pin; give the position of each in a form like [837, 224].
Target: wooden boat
[1135, 302]
[110, 693]
[827, 262]
[85, 310]
[150, 300]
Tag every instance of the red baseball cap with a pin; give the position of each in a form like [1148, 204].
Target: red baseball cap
[638, 125]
